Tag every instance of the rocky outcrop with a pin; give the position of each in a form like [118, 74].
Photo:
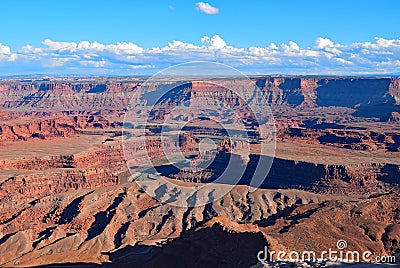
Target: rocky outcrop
[340, 136]
[38, 163]
[127, 223]
[394, 89]
[43, 128]
[22, 188]
[108, 156]
[364, 225]
[394, 117]
[37, 129]
[124, 216]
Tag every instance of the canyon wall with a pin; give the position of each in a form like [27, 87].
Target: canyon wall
[369, 97]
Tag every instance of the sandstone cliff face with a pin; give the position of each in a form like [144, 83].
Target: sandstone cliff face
[107, 156]
[281, 91]
[352, 179]
[22, 188]
[48, 127]
[353, 139]
[37, 129]
[345, 92]
[395, 117]
[394, 89]
[66, 96]
[358, 180]
[369, 97]
[38, 163]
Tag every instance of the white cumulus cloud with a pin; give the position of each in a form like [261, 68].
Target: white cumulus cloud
[323, 42]
[215, 42]
[5, 50]
[206, 8]
[6, 54]
[60, 45]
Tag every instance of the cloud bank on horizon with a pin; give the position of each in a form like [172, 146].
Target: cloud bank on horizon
[378, 56]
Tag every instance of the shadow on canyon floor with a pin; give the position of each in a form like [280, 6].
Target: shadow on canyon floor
[208, 247]
[282, 174]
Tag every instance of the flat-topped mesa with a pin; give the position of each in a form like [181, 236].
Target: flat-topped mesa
[364, 94]
[66, 88]
[368, 97]
[66, 96]
[329, 91]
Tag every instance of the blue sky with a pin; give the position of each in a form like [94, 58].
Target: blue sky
[311, 36]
